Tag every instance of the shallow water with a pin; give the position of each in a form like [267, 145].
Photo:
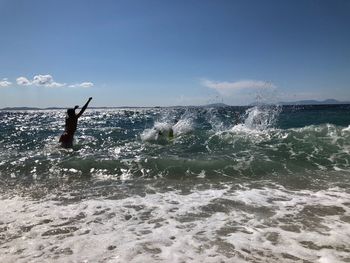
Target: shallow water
[233, 184]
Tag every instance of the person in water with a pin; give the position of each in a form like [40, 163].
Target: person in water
[170, 132]
[67, 137]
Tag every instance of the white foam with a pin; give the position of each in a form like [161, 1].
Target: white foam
[347, 129]
[183, 126]
[261, 118]
[258, 123]
[234, 223]
[165, 130]
[149, 135]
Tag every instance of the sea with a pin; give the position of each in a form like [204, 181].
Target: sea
[265, 183]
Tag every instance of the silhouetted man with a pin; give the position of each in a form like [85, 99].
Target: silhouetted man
[67, 137]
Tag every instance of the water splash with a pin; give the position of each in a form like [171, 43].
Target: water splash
[115, 140]
[262, 117]
[168, 128]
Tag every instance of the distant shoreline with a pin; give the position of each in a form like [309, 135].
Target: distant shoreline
[218, 105]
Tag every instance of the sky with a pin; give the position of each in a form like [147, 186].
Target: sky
[165, 52]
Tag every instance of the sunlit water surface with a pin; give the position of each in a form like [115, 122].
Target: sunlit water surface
[231, 184]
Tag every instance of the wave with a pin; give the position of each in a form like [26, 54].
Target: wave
[148, 221]
[245, 184]
[162, 131]
[176, 143]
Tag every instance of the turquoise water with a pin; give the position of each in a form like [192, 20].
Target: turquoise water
[233, 184]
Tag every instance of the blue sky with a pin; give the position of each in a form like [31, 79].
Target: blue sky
[148, 53]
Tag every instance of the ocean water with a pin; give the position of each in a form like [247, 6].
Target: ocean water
[229, 184]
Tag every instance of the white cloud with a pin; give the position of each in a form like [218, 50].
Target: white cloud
[48, 81]
[42, 80]
[5, 83]
[227, 88]
[55, 85]
[243, 92]
[82, 85]
[22, 81]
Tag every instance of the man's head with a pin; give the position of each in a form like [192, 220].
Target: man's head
[71, 112]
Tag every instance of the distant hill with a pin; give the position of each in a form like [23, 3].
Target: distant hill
[20, 108]
[259, 104]
[314, 102]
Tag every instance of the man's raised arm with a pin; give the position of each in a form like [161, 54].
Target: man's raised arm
[84, 107]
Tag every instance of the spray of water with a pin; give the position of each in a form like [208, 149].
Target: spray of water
[257, 123]
[168, 127]
[262, 117]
